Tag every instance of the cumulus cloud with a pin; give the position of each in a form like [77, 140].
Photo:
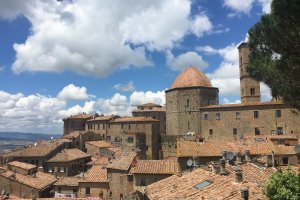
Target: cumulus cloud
[266, 5]
[239, 6]
[34, 113]
[72, 92]
[92, 37]
[185, 60]
[140, 97]
[125, 88]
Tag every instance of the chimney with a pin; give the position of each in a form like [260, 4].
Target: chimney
[238, 175]
[224, 155]
[238, 158]
[247, 155]
[222, 167]
[245, 194]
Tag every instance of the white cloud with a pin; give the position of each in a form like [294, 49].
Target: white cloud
[125, 88]
[227, 101]
[140, 97]
[200, 25]
[265, 92]
[72, 92]
[266, 5]
[92, 37]
[33, 113]
[2, 69]
[239, 6]
[185, 60]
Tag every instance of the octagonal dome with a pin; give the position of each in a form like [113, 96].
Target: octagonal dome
[191, 77]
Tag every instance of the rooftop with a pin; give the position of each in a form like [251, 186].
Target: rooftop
[22, 165]
[68, 155]
[79, 116]
[155, 167]
[100, 143]
[135, 119]
[104, 118]
[40, 181]
[123, 162]
[154, 109]
[202, 184]
[95, 175]
[103, 161]
[191, 77]
[214, 148]
[247, 104]
[68, 181]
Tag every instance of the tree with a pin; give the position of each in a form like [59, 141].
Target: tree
[283, 185]
[274, 42]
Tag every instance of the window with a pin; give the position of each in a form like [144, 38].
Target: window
[87, 191]
[203, 184]
[256, 114]
[188, 125]
[211, 132]
[279, 131]
[234, 132]
[205, 116]
[129, 127]
[103, 126]
[62, 169]
[130, 140]
[277, 113]
[108, 126]
[237, 115]
[143, 182]
[108, 138]
[252, 91]
[285, 160]
[122, 126]
[50, 170]
[257, 131]
[153, 117]
[218, 116]
[187, 103]
[98, 126]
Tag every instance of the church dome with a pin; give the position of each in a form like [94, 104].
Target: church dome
[191, 77]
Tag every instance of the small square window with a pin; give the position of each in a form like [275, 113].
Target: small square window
[277, 113]
[279, 131]
[218, 116]
[211, 133]
[62, 169]
[257, 131]
[203, 184]
[205, 116]
[234, 131]
[256, 114]
[130, 140]
[237, 115]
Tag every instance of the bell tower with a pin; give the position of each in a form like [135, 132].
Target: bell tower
[250, 88]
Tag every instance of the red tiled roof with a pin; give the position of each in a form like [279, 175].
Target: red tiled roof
[123, 162]
[22, 165]
[244, 105]
[155, 109]
[100, 143]
[103, 161]
[149, 105]
[95, 175]
[40, 181]
[155, 167]
[104, 118]
[135, 119]
[68, 155]
[285, 150]
[68, 181]
[80, 116]
[191, 77]
[219, 187]
[214, 148]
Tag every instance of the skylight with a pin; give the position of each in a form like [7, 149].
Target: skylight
[203, 184]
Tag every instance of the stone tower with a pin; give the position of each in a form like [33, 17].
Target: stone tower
[189, 92]
[250, 88]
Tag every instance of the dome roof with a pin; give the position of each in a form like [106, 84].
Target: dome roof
[191, 77]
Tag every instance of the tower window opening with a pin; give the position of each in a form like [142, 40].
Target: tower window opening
[252, 91]
[187, 103]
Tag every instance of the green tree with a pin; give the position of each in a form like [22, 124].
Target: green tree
[283, 185]
[275, 50]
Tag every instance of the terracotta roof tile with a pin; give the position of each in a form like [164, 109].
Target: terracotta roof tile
[40, 181]
[95, 175]
[191, 77]
[214, 148]
[68, 181]
[155, 167]
[135, 119]
[149, 105]
[244, 105]
[80, 116]
[163, 109]
[104, 118]
[68, 155]
[285, 150]
[123, 162]
[40, 150]
[22, 165]
[100, 143]
[73, 134]
[103, 161]
[211, 186]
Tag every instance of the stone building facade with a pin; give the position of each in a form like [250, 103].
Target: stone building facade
[75, 123]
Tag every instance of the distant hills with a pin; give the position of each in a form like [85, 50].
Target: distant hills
[19, 136]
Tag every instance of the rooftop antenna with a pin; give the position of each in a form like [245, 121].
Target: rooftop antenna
[229, 155]
[189, 162]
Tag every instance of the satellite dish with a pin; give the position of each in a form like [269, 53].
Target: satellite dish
[189, 162]
[229, 155]
[297, 148]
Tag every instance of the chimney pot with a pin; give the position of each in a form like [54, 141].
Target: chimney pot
[222, 167]
[238, 175]
[238, 158]
[245, 193]
[247, 156]
[224, 155]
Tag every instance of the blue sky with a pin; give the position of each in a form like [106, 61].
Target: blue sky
[59, 58]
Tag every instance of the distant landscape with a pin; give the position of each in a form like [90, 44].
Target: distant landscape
[13, 140]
